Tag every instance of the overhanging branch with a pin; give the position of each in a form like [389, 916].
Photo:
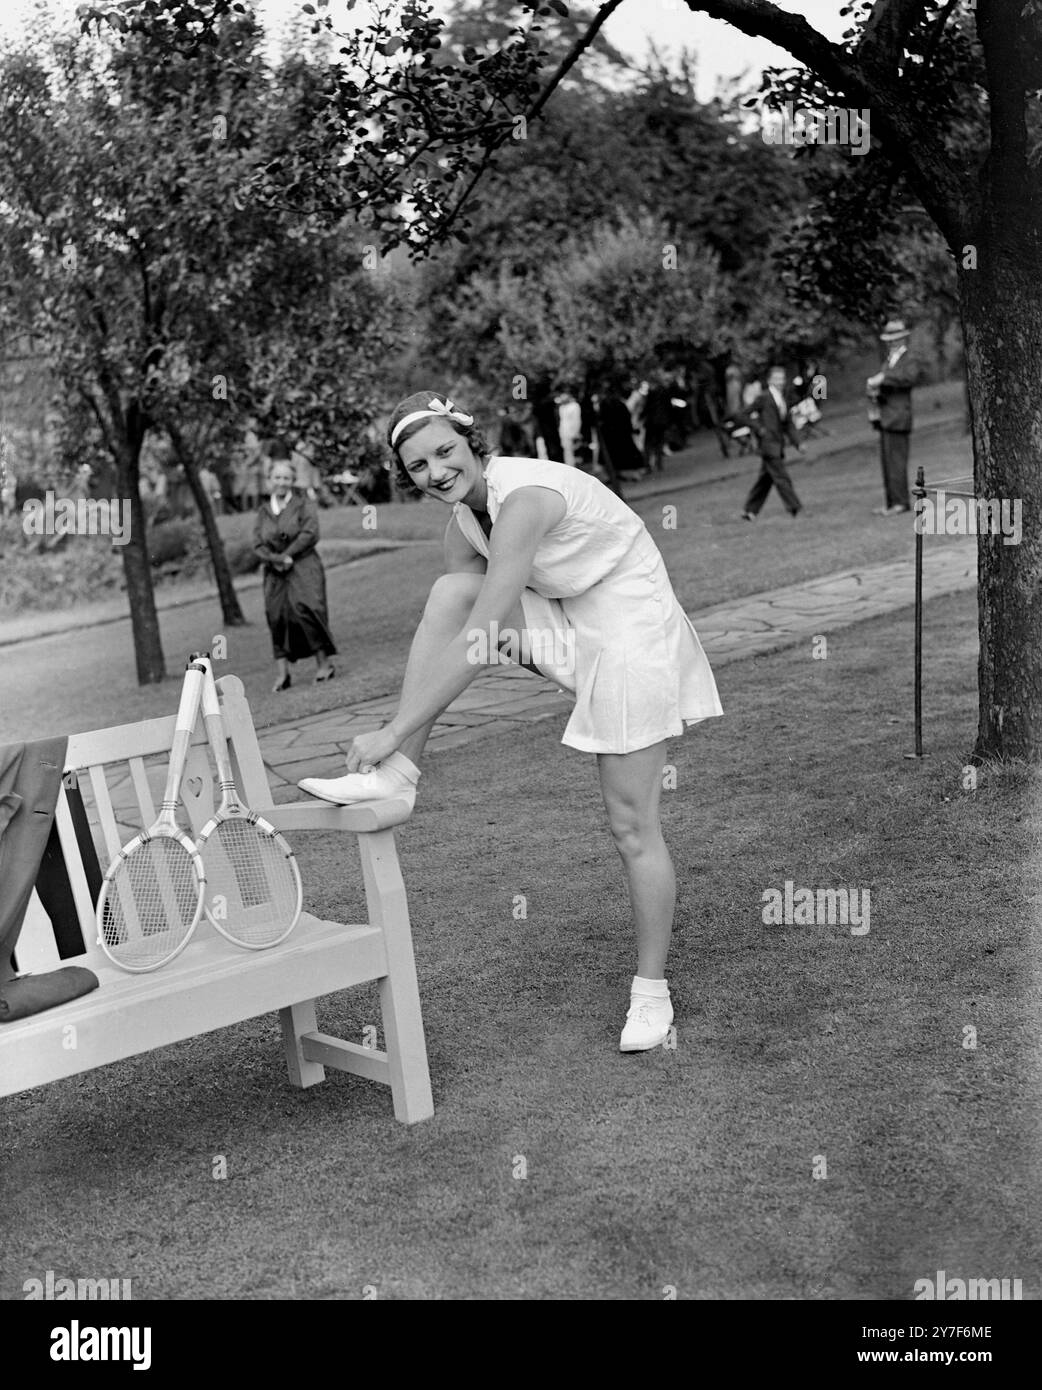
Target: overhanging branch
[895, 119]
[887, 32]
[578, 48]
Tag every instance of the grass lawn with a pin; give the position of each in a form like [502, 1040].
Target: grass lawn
[85, 678]
[691, 1168]
[713, 555]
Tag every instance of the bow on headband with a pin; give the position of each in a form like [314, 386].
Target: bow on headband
[443, 409]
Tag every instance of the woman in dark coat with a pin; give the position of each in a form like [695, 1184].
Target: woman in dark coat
[285, 537]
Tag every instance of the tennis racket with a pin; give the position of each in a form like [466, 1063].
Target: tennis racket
[152, 895]
[254, 893]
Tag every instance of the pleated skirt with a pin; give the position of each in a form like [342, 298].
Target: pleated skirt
[628, 653]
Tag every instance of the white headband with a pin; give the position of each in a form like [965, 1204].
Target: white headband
[444, 409]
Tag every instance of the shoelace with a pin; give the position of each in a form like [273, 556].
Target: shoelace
[641, 1011]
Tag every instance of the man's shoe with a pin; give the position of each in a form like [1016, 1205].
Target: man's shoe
[648, 1022]
[748, 516]
[395, 779]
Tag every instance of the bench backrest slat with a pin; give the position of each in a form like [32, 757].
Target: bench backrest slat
[125, 741]
[106, 815]
[250, 773]
[198, 787]
[37, 948]
[143, 791]
[77, 879]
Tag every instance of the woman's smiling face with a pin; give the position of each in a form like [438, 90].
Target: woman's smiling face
[441, 462]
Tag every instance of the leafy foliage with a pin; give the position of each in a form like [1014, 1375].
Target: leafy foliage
[861, 245]
[612, 303]
[131, 248]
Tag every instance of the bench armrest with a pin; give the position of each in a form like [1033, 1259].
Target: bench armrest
[323, 815]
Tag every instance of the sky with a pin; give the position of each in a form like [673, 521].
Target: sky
[722, 52]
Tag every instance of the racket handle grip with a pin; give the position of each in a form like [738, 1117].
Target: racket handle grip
[191, 693]
[184, 726]
[215, 726]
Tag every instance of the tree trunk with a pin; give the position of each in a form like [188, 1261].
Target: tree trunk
[137, 569]
[231, 612]
[1001, 303]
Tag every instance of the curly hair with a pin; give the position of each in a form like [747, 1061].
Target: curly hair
[420, 400]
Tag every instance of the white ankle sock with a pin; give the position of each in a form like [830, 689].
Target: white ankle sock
[650, 989]
[398, 762]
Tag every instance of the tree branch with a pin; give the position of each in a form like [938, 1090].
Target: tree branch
[935, 37]
[578, 48]
[454, 212]
[146, 291]
[88, 398]
[886, 33]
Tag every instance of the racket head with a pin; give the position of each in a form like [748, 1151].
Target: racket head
[254, 894]
[151, 900]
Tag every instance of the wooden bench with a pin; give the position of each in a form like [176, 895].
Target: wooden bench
[213, 983]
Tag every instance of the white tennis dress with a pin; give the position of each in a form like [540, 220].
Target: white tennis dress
[598, 582]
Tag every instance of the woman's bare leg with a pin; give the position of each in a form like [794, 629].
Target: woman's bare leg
[448, 607]
[631, 784]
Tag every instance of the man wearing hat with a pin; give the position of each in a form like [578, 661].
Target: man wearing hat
[891, 390]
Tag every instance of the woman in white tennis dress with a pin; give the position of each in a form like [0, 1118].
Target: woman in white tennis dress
[546, 551]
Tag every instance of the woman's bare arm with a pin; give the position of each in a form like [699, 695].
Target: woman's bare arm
[523, 521]
[460, 555]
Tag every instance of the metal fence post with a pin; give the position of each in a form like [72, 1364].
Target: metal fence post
[920, 493]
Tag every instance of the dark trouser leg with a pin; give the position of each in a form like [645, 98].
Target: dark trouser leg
[759, 490]
[894, 448]
[779, 476]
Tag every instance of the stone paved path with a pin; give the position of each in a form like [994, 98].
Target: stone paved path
[506, 697]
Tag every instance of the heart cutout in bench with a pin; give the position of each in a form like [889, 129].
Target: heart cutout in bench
[193, 786]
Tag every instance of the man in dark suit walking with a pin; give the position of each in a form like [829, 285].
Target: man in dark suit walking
[891, 391]
[769, 418]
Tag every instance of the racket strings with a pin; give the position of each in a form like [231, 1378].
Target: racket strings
[254, 875]
[152, 903]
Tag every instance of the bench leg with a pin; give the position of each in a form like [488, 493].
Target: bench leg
[399, 990]
[297, 1020]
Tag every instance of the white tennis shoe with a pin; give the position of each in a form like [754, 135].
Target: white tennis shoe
[395, 779]
[648, 1022]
